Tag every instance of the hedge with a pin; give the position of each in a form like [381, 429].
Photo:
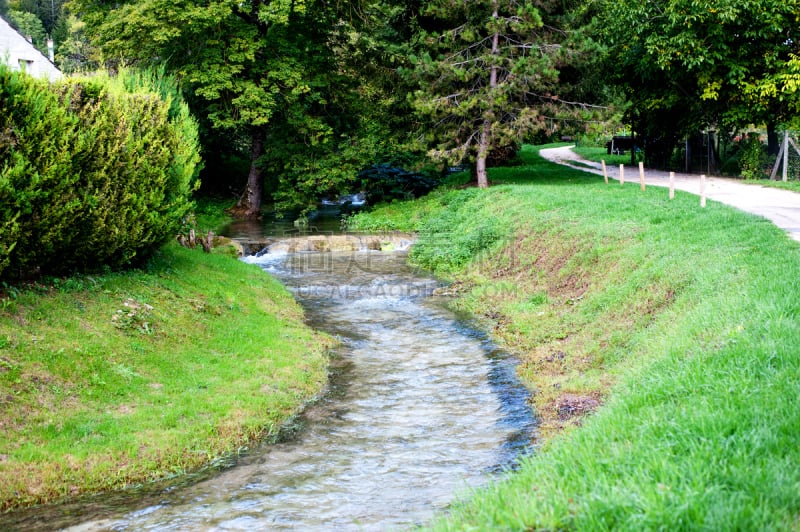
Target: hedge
[95, 173]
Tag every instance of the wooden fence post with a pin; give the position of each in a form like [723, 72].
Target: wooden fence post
[785, 149]
[641, 176]
[605, 173]
[782, 160]
[621, 174]
[672, 185]
[702, 190]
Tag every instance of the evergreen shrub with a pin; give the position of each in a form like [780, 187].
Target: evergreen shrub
[95, 173]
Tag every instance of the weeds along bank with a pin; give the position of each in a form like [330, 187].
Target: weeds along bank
[660, 340]
[114, 380]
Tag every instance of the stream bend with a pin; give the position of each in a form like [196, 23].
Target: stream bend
[421, 408]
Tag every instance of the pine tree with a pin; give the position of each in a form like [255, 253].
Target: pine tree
[479, 79]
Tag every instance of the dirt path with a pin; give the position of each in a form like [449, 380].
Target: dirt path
[781, 207]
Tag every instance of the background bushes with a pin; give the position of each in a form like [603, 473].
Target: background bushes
[385, 182]
[94, 173]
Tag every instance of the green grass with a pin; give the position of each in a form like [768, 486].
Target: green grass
[794, 186]
[660, 341]
[119, 379]
[210, 213]
[600, 154]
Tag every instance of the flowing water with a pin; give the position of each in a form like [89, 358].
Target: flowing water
[421, 409]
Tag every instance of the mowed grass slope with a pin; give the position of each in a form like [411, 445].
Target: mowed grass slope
[119, 379]
[661, 340]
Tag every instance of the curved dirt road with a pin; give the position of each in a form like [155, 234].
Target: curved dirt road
[781, 207]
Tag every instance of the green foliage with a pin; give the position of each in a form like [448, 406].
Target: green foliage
[752, 157]
[74, 53]
[384, 182]
[477, 81]
[690, 64]
[282, 83]
[29, 25]
[47, 11]
[457, 228]
[598, 154]
[95, 172]
[36, 171]
[309, 169]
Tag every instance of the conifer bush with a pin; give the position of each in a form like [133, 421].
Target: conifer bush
[94, 173]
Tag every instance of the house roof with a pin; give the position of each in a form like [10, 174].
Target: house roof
[19, 54]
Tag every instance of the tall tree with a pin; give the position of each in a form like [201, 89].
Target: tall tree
[48, 11]
[240, 58]
[479, 77]
[273, 71]
[28, 24]
[712, 62]
[254, 69]
[74, 53]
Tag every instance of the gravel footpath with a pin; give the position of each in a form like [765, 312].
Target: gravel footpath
[781, 207]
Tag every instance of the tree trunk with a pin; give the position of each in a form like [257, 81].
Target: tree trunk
[483, 152]
[249, 204]
[485, 142]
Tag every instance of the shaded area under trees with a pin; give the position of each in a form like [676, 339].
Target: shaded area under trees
[688, 67]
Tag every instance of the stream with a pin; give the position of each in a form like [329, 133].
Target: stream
[421, 409]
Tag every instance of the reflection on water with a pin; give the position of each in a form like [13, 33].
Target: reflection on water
[421, 408]
[321, 222]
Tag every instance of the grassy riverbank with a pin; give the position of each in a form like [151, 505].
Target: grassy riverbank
[119, 379]
[660, 339]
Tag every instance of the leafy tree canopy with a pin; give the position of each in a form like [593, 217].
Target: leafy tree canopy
[279, 73]
[47, 11]
[29, 25]
[721, 62]
[74, 53]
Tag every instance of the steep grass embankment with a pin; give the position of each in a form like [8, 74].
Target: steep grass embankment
[119, 379]
[660, 340]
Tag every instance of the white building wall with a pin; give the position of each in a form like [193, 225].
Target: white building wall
[19, 54]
